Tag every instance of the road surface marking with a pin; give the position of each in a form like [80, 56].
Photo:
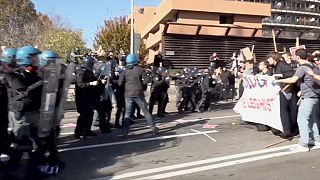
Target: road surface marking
[197, 163]
[135, 141]
[182, 121]
[204, 134]
[215, 166]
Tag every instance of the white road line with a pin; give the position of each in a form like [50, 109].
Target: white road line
[135, 141]
[66, 133]
[204, 134]
[201, 119]
[215, 166]
[196, 163]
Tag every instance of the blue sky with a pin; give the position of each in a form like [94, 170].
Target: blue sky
[88, 15]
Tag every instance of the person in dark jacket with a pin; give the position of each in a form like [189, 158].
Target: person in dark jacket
[134, 78]
[7, 59]
[85, 99]
[288, 95]
[225, 75]
[119, 95]
[24, 95]
[157, 91]
[207, 85]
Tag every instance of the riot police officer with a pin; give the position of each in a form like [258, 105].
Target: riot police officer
[103, 104]
[24, 104]
[7, 61]
[182, 88]
[119, 96]
[190, 90]
[165, 89]
[158, 91]
[75, 56]
[50, 63]
[85, 92]
[208, 82]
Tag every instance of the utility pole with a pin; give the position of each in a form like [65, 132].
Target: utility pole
[132, 28]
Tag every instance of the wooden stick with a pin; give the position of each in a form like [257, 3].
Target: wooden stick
[297, 42]
[252, 49]
[285, 87]
[278, 142]
[274, 41]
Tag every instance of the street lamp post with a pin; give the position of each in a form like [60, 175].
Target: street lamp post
[132, 30]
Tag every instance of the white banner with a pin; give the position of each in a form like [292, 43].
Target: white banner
[260, 101]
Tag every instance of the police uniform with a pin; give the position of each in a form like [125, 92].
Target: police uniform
[24, 105]
[120, 100]
[207, 84]
[3, 112]
[157, 93]
[85, 100]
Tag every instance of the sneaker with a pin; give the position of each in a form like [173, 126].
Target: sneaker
[316, 143]
[155, 131]
[300, 148]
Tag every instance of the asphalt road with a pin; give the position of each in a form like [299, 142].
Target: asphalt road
[195, 146]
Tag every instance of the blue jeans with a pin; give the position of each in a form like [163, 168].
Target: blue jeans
[143, 106]
[308, 121]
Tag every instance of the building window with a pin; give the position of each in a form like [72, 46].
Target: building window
[226, 19]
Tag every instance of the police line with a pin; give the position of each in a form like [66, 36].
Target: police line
[260, 102]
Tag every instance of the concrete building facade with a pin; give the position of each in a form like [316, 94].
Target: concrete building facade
[188, 31]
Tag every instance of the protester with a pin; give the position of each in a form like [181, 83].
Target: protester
[288, 95]
[308, 112]
[264, 68]
[135, 78]
[213, 60]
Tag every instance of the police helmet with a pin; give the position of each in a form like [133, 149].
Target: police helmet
[46, 56]
[131, 59]
[210, 70]
[160, 70]
[186, 70]
[88, 62]
[119, 69]
[8, 55]
[24, 55]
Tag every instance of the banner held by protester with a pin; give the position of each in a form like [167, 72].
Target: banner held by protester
[260, 102]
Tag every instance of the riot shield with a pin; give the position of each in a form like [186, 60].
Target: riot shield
[104, 71]
[50, 78]
[66, 80]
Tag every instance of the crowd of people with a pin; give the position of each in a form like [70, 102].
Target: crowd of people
[299, 95]
[30, 124]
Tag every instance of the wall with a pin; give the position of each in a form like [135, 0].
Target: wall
[192, 17]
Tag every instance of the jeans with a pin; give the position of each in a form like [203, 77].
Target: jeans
[143, 106]
[308, 121]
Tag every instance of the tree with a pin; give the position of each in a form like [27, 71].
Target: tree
[19, 23]
[63, 41]
[114, 35]
[59, 37]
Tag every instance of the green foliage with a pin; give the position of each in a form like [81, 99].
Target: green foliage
[63, 41]
[20, 25]
[114, 35]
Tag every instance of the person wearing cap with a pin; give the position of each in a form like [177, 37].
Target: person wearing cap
[135, 79]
